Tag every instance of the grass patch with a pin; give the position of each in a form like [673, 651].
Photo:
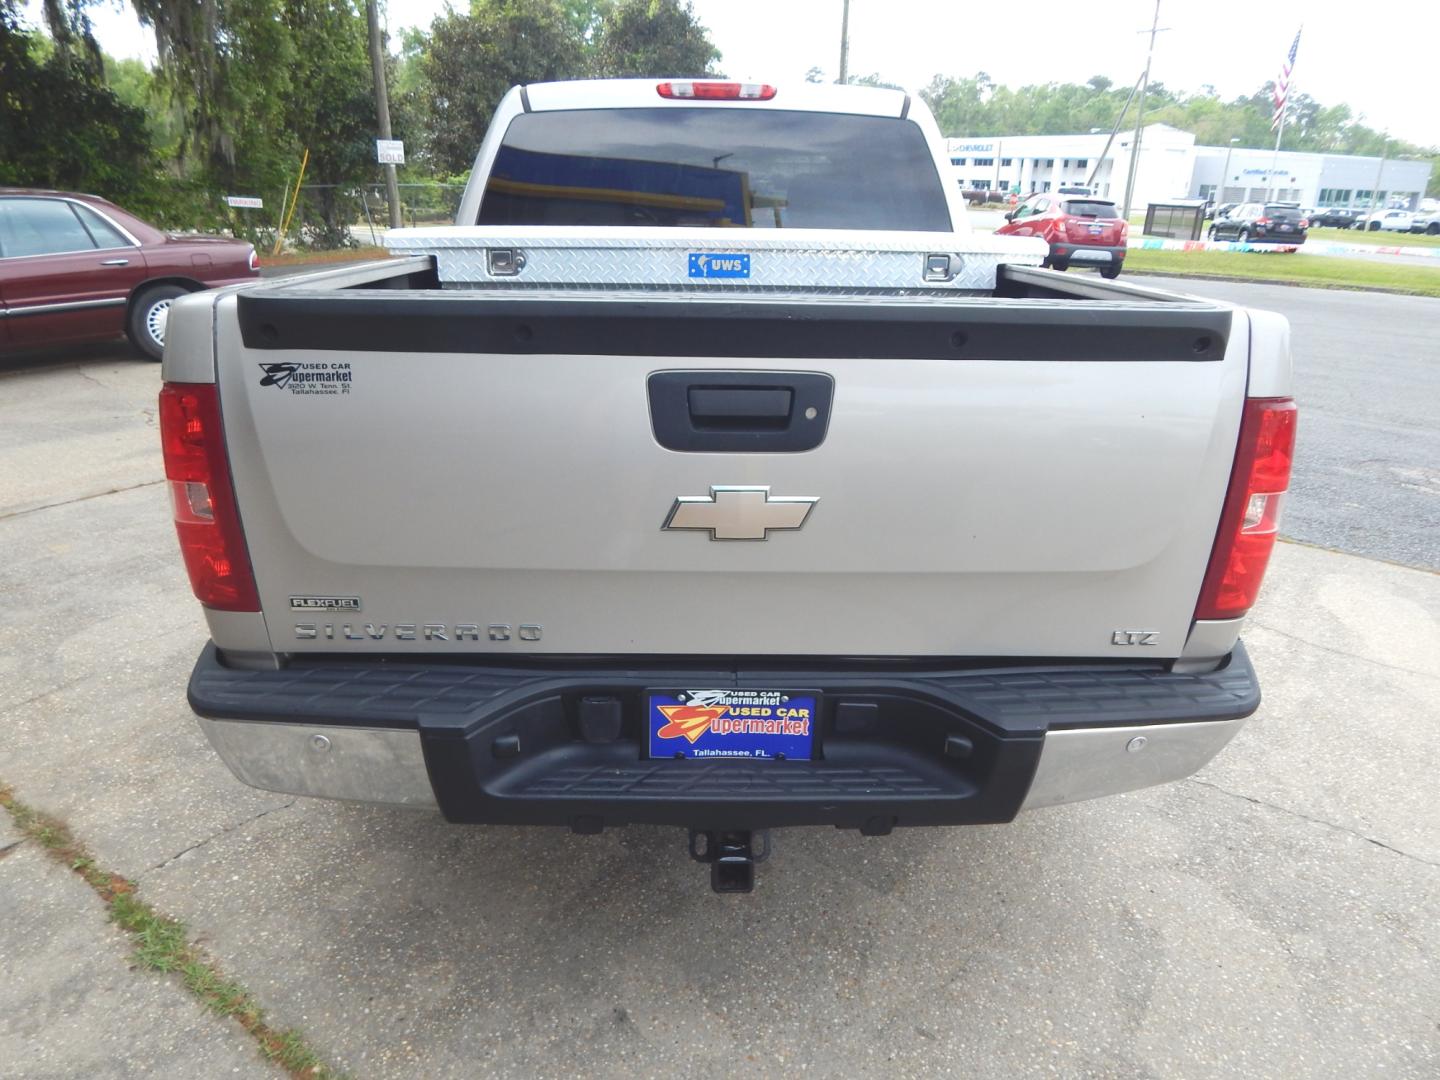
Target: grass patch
[162, 944]
[1315, 270]
[1375, 239]
[320, 258]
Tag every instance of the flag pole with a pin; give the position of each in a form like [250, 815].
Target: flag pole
[1269, 192]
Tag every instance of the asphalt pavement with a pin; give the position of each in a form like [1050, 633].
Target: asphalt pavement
[1276, 915]
[1367, 381]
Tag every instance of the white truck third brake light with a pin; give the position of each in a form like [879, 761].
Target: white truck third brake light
[716, 91]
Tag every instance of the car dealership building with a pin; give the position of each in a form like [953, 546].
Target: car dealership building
[1172, 166]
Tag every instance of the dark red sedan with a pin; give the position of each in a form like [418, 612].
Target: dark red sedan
[77, 268]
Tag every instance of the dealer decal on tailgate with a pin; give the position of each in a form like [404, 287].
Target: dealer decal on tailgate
[732, 723]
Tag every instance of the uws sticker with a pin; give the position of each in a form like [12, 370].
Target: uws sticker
[713, 265]
[323, 378]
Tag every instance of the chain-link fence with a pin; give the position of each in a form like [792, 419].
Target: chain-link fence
[323, 217]
[344, 215]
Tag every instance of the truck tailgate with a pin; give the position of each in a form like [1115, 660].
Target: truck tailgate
[425, 472]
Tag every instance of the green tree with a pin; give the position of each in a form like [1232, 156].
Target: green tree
[137, 86]
[473, 59]
[101, 146]
[875, 79]
[637, 38]
[329, 109]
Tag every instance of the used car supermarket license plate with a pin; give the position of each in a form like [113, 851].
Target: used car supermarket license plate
[751, 724]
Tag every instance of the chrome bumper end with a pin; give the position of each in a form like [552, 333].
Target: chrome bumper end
[1089, 763]
[357, 764]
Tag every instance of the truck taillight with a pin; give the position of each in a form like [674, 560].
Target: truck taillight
[1250, 520]
[203, 498]
[716, 91]
[254, 262]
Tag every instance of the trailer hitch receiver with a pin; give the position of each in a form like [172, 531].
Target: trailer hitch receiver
[732, 855]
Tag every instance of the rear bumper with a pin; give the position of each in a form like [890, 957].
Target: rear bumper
[1087, 254]
[896, 746]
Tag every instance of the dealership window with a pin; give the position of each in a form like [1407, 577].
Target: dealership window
[1049, 163]
[1207, 191]
[984, 161]
[1081, 163]
[1006, 162]
[981, 185]
[957, 161]
[1045, 185]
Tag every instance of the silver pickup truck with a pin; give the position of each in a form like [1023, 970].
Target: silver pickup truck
[711, 472]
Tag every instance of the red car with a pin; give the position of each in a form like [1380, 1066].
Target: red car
[77, 268]
[1080, 229]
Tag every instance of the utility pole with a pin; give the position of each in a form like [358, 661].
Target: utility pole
[844, 44]
[1218, 195]
[382, 106]
[1140, 114]
[1379, 172]
[1115, 130]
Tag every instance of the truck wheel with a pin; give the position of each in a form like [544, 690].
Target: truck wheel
[1374, 226]
[1243, 236]
[1111, 272]
[149, 314]
[1433, 229]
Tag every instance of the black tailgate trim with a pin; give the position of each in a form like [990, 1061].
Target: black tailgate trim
[936, 330]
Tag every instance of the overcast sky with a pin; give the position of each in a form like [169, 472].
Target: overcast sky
[1233, 44]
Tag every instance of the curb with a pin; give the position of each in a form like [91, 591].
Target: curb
[1290, 283]
[1415, 251]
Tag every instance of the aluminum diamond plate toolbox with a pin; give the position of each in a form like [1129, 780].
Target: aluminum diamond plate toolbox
[715, 260]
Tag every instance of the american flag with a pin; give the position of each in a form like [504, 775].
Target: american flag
[1282, 84]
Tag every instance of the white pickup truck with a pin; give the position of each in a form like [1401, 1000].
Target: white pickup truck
[711, 472]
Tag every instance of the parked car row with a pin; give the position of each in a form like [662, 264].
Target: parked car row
[1261, 223]
[77, 268]
[1338, 217]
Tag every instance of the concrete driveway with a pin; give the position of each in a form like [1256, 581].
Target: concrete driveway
[1277, 915]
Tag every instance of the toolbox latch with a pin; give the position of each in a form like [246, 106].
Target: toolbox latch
[505, 262]
[937, 268]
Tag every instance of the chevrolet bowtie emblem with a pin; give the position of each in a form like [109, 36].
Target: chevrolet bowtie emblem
[739, 513]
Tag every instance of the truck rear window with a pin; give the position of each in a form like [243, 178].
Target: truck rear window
[746, 168]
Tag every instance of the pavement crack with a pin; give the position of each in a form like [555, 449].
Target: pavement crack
[1341, 652]
[1315, 821]
[79, 499]
[6, 709]
[216, 834]
[90, 378]
[6, 849]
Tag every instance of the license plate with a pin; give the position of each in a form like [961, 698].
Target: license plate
[1284, 228]
[1096, 230]
[1090, 256]
[771, 724]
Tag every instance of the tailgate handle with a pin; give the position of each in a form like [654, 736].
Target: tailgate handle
[740, 407]
[739, 411]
